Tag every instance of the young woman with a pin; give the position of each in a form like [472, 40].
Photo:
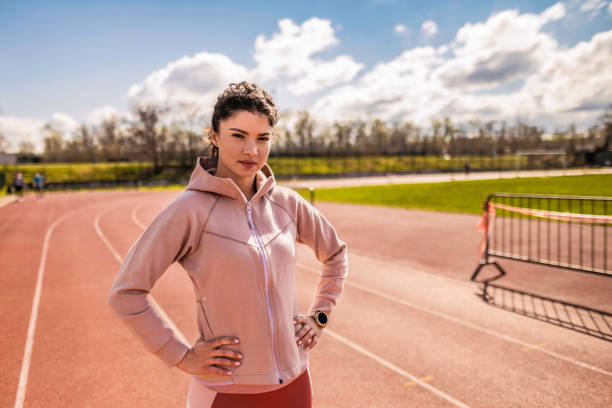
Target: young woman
[234, 231]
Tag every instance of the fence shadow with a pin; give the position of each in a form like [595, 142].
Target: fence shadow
[579, 318]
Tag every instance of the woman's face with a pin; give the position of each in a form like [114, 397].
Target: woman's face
[243, 141]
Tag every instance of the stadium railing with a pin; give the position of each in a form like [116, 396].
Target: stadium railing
[569, 232]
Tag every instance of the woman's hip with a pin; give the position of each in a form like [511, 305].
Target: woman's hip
[296, 394]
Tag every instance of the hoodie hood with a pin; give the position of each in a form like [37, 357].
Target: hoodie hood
[203, 179]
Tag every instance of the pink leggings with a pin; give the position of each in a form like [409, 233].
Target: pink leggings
[296, 394]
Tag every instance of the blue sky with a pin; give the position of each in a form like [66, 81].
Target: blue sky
[63, 61]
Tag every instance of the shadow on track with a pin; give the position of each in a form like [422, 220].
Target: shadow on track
[579, 318]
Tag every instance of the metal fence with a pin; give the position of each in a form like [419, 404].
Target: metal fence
[569, 232]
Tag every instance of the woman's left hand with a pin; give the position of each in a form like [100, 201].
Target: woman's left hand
[307, 332]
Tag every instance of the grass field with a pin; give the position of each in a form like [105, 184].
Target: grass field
[283, 166]
[464, 196]
[455, 196]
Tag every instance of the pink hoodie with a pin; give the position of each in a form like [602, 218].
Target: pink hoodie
[240, 256]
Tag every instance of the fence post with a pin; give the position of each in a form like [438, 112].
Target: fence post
[312, 195]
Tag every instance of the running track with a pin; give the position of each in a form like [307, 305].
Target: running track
[408, 331]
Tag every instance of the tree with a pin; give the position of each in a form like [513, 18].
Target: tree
[379, 133]
[606, 122]
[147, 136]
[110, 140]
[82, 147]
[304, 132]
[53, 143]
[3, 143]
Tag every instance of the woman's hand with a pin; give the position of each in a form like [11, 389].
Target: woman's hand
[307, 331]
[208, 358]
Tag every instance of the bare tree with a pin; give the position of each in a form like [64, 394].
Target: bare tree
[53, 143]
[147, 136]
[304, 132]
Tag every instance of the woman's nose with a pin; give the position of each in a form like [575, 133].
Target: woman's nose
[250, 148]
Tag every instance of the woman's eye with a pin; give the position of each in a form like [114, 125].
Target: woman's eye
[264, 139]
[237, 135]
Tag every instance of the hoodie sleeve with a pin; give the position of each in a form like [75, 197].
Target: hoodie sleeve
[314, 230]
[170, 237]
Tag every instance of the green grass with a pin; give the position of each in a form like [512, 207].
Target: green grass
[465, 196]
[63, 172]
[283, 166]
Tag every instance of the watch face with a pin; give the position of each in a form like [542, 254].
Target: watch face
[322, 317]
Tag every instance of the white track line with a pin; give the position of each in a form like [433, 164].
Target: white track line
[154, 303]
[395, 368]
[412, 269]
[468, 324]
[27, 354]
[360, 349]
[135, 220]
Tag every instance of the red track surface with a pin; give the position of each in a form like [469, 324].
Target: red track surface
[408, 312]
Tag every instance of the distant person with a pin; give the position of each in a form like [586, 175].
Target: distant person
[234, 232]
[39, 185]
[19, 185]
[466, 167]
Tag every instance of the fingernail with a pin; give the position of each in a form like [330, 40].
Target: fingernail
[300, 342]
[236, 341]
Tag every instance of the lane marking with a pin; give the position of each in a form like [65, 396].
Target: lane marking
[412, 383]
[412, 269]
[135, 220]
[157, 308]
[467, 324]
[27, 353]
[535, 346]
[396, 369]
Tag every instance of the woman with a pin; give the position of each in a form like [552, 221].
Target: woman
[19, 185]
[234, 232]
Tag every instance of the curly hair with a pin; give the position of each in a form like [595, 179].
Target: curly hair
[241, 96]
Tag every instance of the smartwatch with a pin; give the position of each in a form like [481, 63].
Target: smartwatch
[321, 318]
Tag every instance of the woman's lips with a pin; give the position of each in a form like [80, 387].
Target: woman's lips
[248, 164]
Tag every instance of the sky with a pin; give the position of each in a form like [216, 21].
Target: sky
[548, 63]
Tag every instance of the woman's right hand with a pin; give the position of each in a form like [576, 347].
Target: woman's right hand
[209, 359]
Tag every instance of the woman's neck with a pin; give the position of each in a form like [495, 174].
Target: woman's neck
[246, 185]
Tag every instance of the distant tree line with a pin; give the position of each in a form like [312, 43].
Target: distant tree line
[148, 136]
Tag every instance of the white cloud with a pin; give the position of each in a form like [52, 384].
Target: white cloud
[496, 69]
[610, 8]
[507, 65]
[498, 51]
[285, 61]
[429, 27]
[288, 57]
[101, 114]
[63, 122]
[191, 78]
[17, 130]
[21, 129]
[553, 13]
[589, 5]
[573, 80]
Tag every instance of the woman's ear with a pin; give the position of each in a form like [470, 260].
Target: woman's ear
[213, 137]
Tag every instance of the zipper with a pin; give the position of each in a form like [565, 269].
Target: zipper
[201, 302]
[267, 272]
